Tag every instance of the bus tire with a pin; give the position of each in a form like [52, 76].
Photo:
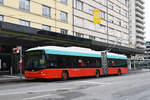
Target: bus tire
[97, 74]
[64, 75]
[119, 72]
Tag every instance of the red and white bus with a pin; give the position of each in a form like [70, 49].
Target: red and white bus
[49, 62]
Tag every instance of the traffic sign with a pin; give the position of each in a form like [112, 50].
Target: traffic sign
[96, 16]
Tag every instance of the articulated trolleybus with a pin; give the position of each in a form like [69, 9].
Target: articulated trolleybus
[49, 62]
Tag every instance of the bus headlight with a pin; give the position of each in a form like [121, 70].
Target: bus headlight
[43, 73]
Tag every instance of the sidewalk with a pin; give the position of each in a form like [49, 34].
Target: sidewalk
[138, 71]
[11, 78]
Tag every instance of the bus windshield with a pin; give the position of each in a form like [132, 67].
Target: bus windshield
[34, 60]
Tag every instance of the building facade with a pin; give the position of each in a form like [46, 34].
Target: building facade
[147, 50]
[51, 15]
[75, 17]
[114, 21]
[136, 24]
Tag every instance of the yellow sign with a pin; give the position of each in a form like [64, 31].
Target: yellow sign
[96, 16]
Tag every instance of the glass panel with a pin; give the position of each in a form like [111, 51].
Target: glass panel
[101, 1]
[79, 35]
[110, 5]
[79, 4]
[24, 5]
[1, 1]
[24, 23]
[64, 1]
[110, 18]
[1, 18]
[64, 16]
[64, 31]
[34, 59]
[102, 15]
[92, 37]
[46, 11]
[45, 27]
[51, 60]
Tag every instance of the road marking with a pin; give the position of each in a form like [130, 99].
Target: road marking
[92, 82]
[36, 97]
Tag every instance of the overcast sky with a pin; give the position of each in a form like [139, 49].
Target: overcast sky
[147, 19]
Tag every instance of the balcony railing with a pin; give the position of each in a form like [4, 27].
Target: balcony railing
[138, 3]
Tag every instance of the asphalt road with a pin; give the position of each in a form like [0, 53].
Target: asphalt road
[126, 87]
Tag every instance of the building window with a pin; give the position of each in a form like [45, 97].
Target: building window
[101, 1]
[117, 9]
[79, 35]
[118, 35]
[79, 4]
[117, 21]
[1, 18]
[24, 5]
[124, 2]
[102, 15]
[110, 18]
[64, 31]
[125, 25]
[64, 1]
[24, 23]
[1, 1]
[64, 16]
[92, 37]
[102, 28]
[46, 27]
[91, 10]
[45, 11]
[110, 5]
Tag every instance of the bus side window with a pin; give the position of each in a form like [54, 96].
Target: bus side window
[75, 62]
[51, 60]
[81, 62]
[92, 63]
[69, 61]
[98, 63]
[113, 63]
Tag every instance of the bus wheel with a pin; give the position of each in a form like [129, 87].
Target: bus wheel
[64, 75]
[97, 74]
[119, 72]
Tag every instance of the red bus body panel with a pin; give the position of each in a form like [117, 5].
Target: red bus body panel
[56, 73]
[112, 71]
[124, 70]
